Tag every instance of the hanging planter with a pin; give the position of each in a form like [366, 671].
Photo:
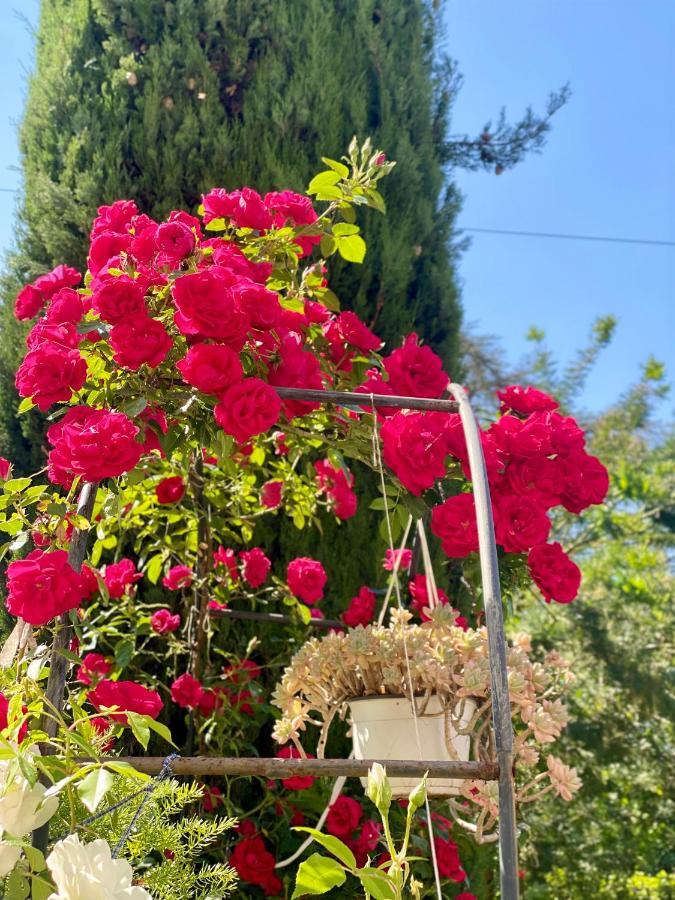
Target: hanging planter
[386, 728]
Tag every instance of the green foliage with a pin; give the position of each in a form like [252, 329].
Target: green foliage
[161, 100]
[167, 840]
[618, 833]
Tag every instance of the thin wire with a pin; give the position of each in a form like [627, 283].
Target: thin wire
[394, 573]
[377, 457]
[571, 237]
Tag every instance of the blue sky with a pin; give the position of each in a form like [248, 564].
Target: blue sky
[607, 170]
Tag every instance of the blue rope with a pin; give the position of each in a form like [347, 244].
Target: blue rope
[166, 772]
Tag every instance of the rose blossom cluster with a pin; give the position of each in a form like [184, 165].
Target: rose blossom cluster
[536, 460]
[234, 689]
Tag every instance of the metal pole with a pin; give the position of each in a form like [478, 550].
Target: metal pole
[494, 620]
[354, 400]
[58, 664]
[287, 768]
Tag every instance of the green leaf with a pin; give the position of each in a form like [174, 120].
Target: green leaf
[35, 858]
[134, 407]
[328, 245]
[154, 568]
[343, 229]
[333, 845]
[94, 786]
[317, 875]
[338, 167]
[376, 883]
[330, 300]
[41, 889]
[352, 248]
[139, 728]
[322, 181]
[160, 729]
[124, 653]
[16, 485]
[25, 405]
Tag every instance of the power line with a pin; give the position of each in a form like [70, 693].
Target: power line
[571, 237]
[541, 234]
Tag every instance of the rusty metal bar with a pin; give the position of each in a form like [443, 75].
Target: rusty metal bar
[274, 617]
[356, 401]
[286, 768]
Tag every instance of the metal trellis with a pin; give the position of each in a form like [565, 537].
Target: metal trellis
[501, 771]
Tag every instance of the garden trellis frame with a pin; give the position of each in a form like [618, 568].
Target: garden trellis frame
[502, 771]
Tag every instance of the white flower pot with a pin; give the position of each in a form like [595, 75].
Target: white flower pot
[383, 728]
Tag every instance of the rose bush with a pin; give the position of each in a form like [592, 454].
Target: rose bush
[172, 348]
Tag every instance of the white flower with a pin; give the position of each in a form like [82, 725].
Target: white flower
[24, 808]
[88, 872]
[9, 856]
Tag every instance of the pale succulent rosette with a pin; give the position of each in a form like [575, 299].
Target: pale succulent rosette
[451, 663]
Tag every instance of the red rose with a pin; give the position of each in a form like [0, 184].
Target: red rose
[66, 306]
[106, 248]
[520, 523]
[225, 556]
[343, 817]
[414, 448]
[89, 580]
[306, 579]
[5, 468]
[255, 865]
[539, 477]
[170, 490]
[415, 371]
[296, 368]
[128, 697]
[289, 206]
[43, 586]
[49, 374]
[211, 368]
[261, 305]
[174, 240]
[525, 400]
[94, 666]
[93, 443]
[140, 340]
[421, 594]
[218, 204]
[163, 622]
[256, 567]
[354, 332]
[454, 522]
[361, 609]
[206, 306]
[297, 782]
[119, 298]
[404, 557]
[337, 483]
[4, 723]
[33, 297]
[447, 856]
[120, 576]
[366, 842]
[586, 482]
[566, 436]
[517, 437]
[554, 573]
[155, 423]
[229, 255]
[178, 577]
[213, 798]
[115, 218]
[270, 494]
[249, 211]
[247, 408]
[187, 691]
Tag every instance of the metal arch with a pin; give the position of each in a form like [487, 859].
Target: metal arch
[494, 620]
[501, 709]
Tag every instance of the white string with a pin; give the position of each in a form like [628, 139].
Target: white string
[394, 573]
[428, 568]
[378, 462]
